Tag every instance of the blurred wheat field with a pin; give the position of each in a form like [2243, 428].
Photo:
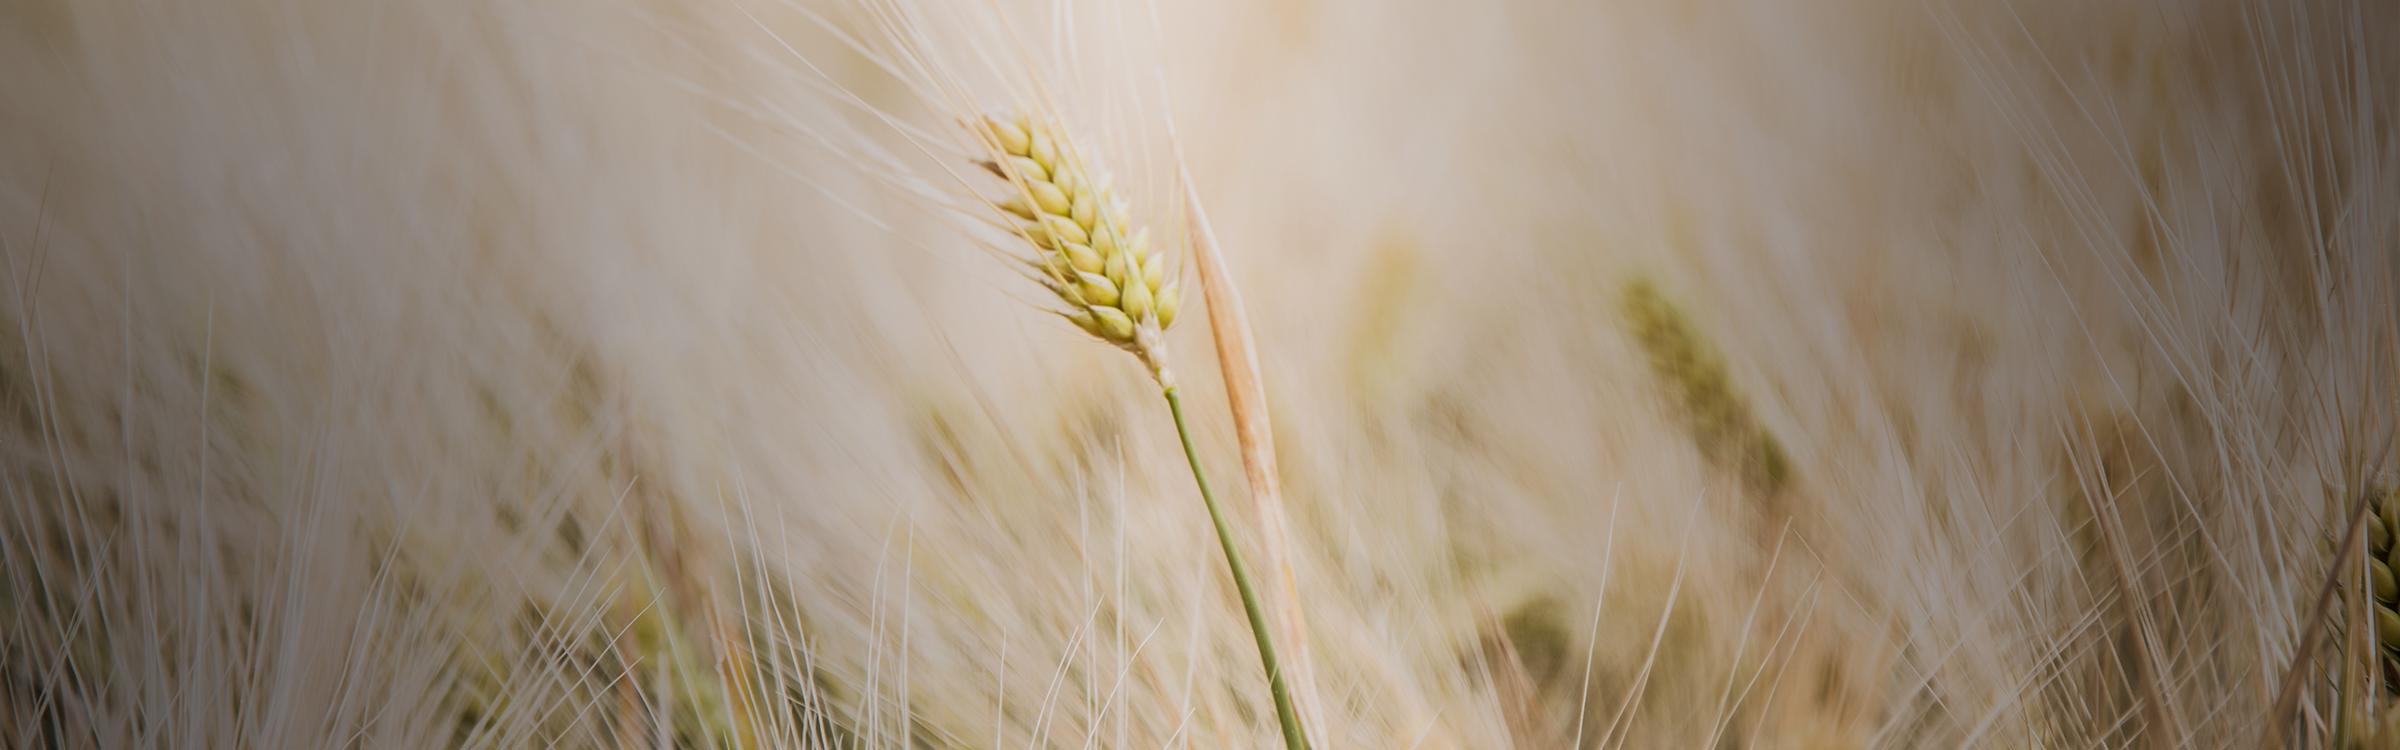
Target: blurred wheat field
[543, 375]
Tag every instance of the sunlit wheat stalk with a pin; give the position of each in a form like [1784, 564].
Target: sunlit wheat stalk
[1114, 286]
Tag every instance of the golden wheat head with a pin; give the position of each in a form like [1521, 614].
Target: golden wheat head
[1085, 246]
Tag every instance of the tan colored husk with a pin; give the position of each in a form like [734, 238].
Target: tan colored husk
[1246, 393]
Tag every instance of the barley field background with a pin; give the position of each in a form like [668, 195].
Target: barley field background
[1651, 374]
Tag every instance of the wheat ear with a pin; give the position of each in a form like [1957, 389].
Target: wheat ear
[1114, 286]
[1086, 249]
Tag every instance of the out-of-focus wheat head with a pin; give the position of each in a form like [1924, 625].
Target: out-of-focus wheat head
[1693, 373]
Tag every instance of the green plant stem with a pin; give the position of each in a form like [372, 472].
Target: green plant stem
[1284, 714]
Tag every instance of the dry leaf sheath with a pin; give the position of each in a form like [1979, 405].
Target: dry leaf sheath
[1246, 394]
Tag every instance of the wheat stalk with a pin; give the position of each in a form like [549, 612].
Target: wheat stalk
[1087, 251]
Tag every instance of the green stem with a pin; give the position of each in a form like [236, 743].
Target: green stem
[1284, 714]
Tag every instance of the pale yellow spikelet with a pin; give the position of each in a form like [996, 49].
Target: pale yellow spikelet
[1084, 248]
